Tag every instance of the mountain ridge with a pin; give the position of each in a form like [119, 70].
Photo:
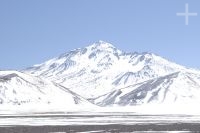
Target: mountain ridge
[22, 90]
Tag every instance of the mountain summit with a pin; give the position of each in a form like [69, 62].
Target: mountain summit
[108, 76]
[102, 44]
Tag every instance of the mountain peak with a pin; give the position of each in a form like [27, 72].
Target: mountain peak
[102, 44]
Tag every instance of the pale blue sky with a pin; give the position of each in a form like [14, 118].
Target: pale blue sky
[33, 31]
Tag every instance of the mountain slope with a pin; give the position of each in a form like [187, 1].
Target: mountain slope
[101, 70]
[179, 88]
[17, 88]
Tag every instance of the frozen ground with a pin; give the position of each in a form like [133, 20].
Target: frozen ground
[97, 122]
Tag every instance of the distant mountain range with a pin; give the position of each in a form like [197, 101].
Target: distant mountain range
[103, 75]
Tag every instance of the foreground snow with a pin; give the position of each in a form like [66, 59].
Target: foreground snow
[149, 109]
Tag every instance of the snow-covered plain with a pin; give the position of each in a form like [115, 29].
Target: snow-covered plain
[91, 118]
[99, 122]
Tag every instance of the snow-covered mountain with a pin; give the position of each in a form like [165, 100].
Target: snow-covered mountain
[17, 88]
[106, 75]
